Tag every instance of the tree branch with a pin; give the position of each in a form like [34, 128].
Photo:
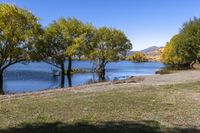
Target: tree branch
[53, 64]
[11, 63]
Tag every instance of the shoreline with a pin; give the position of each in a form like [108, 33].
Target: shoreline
[178, 77]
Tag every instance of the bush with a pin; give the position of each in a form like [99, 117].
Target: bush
[138, 57]
[163, 72]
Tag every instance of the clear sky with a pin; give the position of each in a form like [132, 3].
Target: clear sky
[145, 22]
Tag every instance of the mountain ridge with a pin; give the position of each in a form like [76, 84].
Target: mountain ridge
[153, 53]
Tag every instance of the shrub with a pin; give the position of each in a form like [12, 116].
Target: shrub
[138, 57]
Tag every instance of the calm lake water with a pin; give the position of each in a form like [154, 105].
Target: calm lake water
[38, 76]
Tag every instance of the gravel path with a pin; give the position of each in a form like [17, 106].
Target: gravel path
[138, 82]
[174, 78]
[135, 83]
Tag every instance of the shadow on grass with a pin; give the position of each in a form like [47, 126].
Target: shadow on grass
[103, 127]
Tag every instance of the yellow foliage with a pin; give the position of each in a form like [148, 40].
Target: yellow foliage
[138, 57]
[170, 54]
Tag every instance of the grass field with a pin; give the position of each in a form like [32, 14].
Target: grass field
[169, 108]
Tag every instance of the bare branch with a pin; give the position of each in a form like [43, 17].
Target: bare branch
[53, 64]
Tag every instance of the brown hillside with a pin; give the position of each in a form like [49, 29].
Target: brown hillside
[154, 55]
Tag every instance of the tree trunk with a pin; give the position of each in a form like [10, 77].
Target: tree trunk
[102, 71]
[1, 82]
[69, 80]
[102, 75]
[62, 75]
[69, 69]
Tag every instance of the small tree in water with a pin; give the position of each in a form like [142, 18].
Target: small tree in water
[18, 29]
[108, 45]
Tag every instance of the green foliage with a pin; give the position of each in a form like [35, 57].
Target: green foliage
[78, 35]
[191, 32]
[75, 71]
[184, 48]
[53, 43]
[171, 54]
[108, 45]
[62, 39]
[19, 29]
[138, 57]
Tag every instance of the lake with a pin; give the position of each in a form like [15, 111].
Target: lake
[37, 76]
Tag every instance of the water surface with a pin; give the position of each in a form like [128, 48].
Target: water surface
[38, 76]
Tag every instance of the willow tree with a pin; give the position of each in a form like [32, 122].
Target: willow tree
[171, 55]
[78, 36]
[191, 44]
[184, 48]
[108, 45]
[62, 40]
[18, 29]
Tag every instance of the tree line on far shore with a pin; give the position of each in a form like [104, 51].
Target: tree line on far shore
[138, 57]
[22, 38]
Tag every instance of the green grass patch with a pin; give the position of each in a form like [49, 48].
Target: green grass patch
[172, 108]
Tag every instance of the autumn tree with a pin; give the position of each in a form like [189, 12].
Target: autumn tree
[108, 45]
[138, 57]
[62, 40]
[18, 29]
[184, 48]
[191, 44]
[171, 55]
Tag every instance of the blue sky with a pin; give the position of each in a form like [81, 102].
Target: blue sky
[145, 22]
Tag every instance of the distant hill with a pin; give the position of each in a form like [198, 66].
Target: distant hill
[150, 49]
[153, 53]
[129, 53]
